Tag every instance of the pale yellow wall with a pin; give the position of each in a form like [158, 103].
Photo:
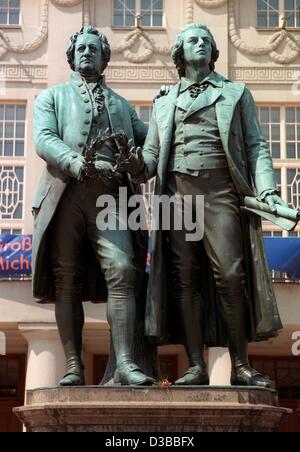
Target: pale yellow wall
[138, 82]
[27, 73]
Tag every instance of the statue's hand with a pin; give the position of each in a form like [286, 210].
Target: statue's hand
[164, 91]
[132, 162]
[273, 201]
[87, 171]
[107, 173]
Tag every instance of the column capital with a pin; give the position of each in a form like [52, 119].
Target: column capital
[39, 331]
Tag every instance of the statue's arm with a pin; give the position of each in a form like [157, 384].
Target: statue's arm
[257, 149]
[49, 145]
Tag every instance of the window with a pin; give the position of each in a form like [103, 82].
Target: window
[126, 12]
[9, 12]
[281, 127]
[12, 153]
[152, 13]
[292, 12]
[271, 13]
[12, 130]
[293, 185]
[11, 192]
[267, 13]
[270, 120]
[11, 231]
[278, 178]
[293, 132]
[273, 234]
[294, 234]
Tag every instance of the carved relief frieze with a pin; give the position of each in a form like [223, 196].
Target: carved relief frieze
[148, 47]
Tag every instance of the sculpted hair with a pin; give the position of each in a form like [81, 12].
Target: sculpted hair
[106, 51]
[178, 52]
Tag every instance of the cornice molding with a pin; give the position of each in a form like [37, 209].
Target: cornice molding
[23, 73]
[265, 74]
[141, 74]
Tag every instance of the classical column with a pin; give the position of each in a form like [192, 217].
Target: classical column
[219, 366]
[45, 360]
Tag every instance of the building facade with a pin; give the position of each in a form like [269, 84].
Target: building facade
[259, 43]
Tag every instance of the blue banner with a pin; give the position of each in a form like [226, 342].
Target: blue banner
[284, 255]
[15, 256]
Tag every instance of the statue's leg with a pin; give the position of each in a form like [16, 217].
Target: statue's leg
[224, 247]
[184, 282]
[66, 233]
[115, 254]
[70, 319]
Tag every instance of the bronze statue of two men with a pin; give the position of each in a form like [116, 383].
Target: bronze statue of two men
[205, 140]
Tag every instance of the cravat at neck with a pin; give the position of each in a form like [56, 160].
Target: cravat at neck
[196, 89]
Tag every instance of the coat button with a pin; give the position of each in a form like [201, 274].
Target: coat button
[87, 122]
[86, 101]
[84, 133]
[83, 92]
[88, 110]
[81, 145]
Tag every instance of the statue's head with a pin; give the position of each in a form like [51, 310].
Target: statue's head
[89, 51]
[195, 45]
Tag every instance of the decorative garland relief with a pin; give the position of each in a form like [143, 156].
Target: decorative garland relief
[149, 44]
[271, 45]
[42, 35]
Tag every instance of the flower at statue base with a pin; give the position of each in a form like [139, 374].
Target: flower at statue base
[165, 383]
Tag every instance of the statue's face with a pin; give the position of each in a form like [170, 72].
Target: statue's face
[88, 54]
[197, 47]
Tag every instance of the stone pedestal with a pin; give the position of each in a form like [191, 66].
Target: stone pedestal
[135, 409]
